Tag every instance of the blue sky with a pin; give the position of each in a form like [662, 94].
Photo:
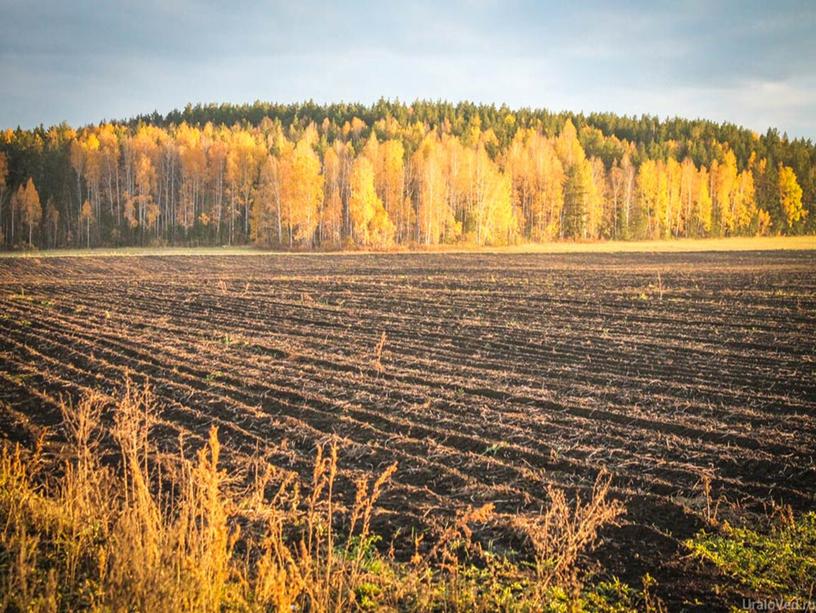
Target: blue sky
[752, 63]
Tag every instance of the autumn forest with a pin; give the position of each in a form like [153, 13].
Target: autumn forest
[306, 176]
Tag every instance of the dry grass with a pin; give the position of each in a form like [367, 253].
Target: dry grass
[135, 530]
[376, 363]
[562, 532]
[746, 243]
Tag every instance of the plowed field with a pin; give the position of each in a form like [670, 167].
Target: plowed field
[497, 374]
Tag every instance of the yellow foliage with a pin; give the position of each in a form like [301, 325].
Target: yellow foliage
[790, 195]
[370, 222]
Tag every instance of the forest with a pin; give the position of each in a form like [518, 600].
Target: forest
[341, 176]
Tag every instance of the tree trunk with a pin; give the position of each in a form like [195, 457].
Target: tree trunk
[232, 221]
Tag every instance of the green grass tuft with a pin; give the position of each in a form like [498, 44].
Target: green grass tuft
[781, 561]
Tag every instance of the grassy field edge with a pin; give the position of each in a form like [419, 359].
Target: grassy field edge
[762, 243]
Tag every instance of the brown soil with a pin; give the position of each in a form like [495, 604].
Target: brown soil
[499, 374]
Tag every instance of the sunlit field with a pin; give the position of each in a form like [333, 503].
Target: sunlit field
[756, 243]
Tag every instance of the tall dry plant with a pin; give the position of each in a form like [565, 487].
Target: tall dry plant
[23, 587]
[84, 492]
[175, 551]
[71, 515]
[314, 571]
[561, 532]
[376, 363]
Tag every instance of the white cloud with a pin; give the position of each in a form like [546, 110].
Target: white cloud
[750, 66]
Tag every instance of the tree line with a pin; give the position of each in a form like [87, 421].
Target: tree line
[343, 176]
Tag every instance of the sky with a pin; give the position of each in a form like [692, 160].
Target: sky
[82, 61]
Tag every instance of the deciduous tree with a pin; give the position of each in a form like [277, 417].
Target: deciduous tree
[87, 215]
[369, 220]
[790, 196]
[28, 202]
